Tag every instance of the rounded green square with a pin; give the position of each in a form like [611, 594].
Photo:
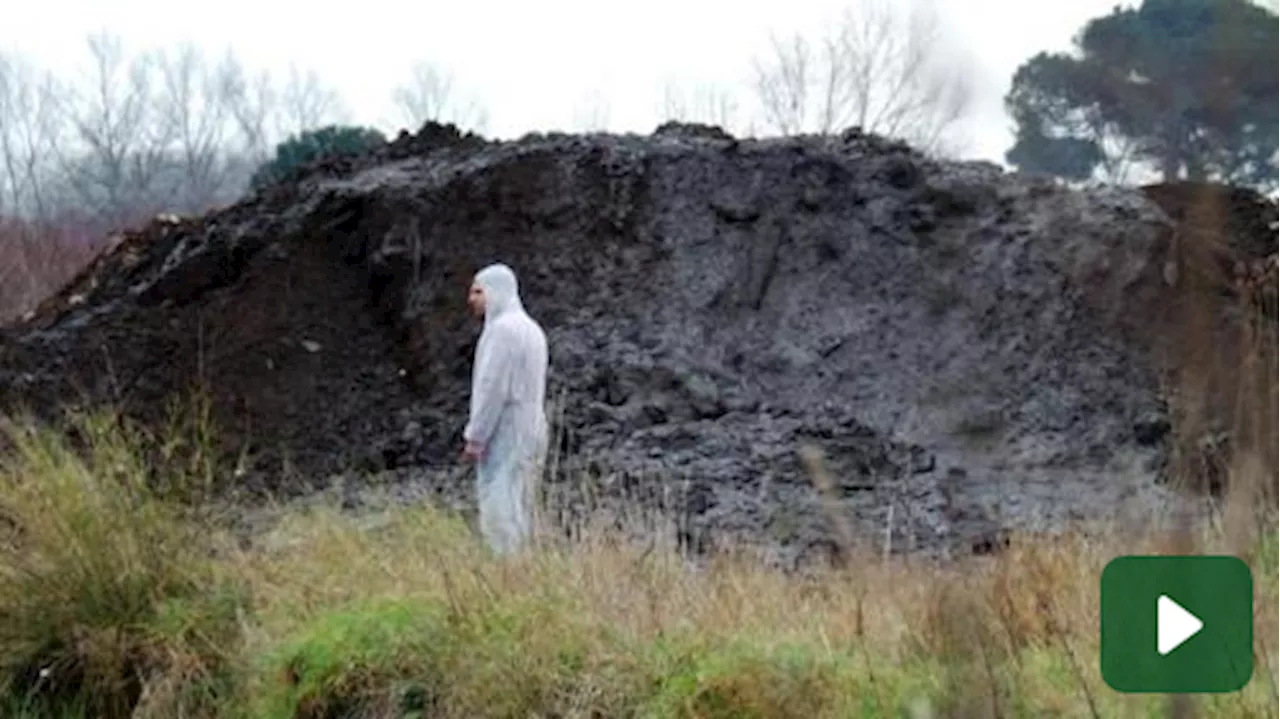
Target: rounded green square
[1197, 609]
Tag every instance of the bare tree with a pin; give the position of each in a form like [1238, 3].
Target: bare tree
[782, 84]
[120, 145]
[195, 98]
[704, 103]
[307, 103]
[430, 94]
[29, 125]
[253, 103]
[883, 66]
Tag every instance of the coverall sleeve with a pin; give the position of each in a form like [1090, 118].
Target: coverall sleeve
[490, 389]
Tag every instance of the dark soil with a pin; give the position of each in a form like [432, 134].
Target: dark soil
[972, 348]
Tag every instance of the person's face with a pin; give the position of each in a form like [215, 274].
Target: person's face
[475, 301]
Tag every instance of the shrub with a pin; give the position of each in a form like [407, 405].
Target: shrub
[105, 591]
[38, 259]
[312, 145]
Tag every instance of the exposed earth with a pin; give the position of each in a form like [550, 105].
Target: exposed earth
[972, 350]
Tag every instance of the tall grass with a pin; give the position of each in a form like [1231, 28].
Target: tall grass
[116, 601]
[102, 584]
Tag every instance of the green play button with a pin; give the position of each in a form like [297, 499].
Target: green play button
[1177, 624]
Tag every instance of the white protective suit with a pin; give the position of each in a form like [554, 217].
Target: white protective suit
[508, 388]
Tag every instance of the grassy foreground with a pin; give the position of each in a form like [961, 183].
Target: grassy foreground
[117, 601]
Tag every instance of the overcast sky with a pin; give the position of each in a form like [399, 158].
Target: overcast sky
[535, 64]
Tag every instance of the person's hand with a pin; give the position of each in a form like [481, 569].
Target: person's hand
[473, 451]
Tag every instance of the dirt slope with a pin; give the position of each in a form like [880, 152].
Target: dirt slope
[968, 347]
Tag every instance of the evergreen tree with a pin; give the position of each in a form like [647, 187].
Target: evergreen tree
[1188, 86]
[309, 146]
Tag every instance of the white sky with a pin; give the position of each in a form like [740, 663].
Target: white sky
[535, 64]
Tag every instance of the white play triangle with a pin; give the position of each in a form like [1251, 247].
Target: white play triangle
[1174, 625]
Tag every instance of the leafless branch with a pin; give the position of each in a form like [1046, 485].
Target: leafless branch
[254, 104]
[136, 133]
[702, 103]
[28, 126]
[307, 103]
[782, 84]
[430, 94]
[120, 141]
[882, 66]
[194, 99]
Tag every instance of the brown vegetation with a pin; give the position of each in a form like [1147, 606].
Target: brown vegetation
[116, 603]
[38, 260]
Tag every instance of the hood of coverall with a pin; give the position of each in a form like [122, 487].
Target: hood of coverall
[501, 290]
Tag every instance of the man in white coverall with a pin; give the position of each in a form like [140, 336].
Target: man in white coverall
[506, 435]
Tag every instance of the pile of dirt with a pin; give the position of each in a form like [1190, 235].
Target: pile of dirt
[1241, 219]
[969, 348]
[1220, 348]
[1225, 235]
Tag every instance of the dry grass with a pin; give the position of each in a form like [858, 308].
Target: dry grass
[1013, 636]
[119, 600]
[102, 584]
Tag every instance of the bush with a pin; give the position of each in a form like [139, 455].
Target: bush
[104, 589]
[307, 147]
[37, 260]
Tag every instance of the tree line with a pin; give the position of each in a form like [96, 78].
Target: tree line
[171, 129]
[1179, 88]
[181, 129]
[1171, 89]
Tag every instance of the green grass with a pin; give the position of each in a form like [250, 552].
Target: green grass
[117, 600]
[101, 584]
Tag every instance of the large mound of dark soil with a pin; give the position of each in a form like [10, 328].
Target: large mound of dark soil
[969, 348]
